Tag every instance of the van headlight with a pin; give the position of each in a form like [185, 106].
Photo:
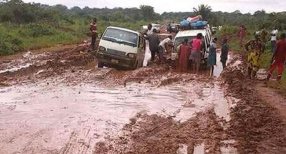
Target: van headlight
[131, 55]
[101, 48]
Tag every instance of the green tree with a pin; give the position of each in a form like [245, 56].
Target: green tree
[203, 10]
[147, 11]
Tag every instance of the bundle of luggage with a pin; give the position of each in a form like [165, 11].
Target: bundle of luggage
[193, 23]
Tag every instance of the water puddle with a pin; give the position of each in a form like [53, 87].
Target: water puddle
[199, 149]
[92, 113]
[218, 67]
[228, 147]
[183, 149]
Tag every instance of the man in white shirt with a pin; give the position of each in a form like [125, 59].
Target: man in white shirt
[149, 30]
[163, 43]
[273, 39]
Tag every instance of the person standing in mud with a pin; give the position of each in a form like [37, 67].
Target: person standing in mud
[254, 49]
[162, 46]
[263, 37]
[224, 53]
[184, 53]
[93, 31]
[195, 57]
[149, 29]
[212, 56]
[241, 35]
[279, 58]
[154, 42]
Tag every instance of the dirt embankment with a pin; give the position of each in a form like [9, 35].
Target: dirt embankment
[255, 124]
[31, 66]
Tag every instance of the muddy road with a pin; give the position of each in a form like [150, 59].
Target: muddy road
[57, 101]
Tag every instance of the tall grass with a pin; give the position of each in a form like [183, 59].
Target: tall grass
[15, 38]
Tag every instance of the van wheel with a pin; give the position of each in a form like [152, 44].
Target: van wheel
[100, 64]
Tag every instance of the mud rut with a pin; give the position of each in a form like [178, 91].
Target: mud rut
[59, 102]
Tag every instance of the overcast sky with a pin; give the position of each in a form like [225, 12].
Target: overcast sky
[161, 6]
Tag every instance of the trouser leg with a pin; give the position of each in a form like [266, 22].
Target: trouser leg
[249, 70]
[93, 40]
[280, 70]
[212, 71]
[160, 53]
[253, 73]
[197, 66]
[273, 46]
[271, 69]
[223, 64]
[152, 55]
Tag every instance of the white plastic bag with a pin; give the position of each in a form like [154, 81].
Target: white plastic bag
[147, 54]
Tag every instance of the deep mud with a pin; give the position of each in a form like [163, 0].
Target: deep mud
[157, 134]
[59, 102]
[255, 124]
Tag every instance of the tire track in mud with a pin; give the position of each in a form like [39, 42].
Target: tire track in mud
[80, 140]
[84, 137]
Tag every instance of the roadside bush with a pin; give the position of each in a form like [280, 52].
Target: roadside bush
[9, 44]
[36, 30]
[228, 31]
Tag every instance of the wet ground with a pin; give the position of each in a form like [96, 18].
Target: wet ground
[59, 102]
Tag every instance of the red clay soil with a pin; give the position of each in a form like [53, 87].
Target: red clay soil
[255, 123]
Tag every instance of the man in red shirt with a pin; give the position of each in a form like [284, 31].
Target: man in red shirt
[93, 30]
[279, 57]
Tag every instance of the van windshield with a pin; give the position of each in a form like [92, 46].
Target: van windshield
[121, 36]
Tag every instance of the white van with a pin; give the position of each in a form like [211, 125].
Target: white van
[121, 47]
[190, 34]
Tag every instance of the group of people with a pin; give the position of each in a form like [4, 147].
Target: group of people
[256, 47]
[155, 45]
[189, 54]
[189, 51]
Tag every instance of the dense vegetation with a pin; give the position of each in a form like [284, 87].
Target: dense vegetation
[34, 25]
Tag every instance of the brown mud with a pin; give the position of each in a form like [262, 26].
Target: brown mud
[255, 124]
[59, 102]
